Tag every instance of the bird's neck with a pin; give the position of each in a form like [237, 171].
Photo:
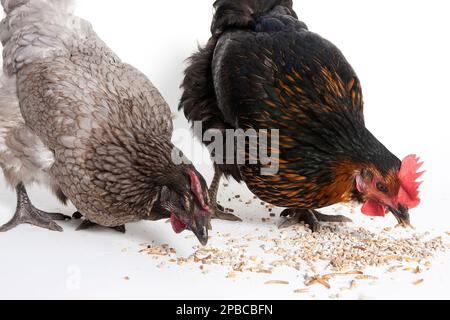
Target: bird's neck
[342, 187]
[139, 167]
[366, 152]
[160, 160]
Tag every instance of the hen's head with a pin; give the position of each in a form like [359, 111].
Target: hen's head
[398, 191]
[186, 197]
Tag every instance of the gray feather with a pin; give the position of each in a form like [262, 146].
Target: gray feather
[76, 118]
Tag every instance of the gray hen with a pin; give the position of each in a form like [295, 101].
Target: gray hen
[94, 129]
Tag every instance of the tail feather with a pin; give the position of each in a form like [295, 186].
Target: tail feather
[199, 101]
[242, 13]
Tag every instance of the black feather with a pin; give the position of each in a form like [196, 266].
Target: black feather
[263, 69]
[242, 14]
[199, 101]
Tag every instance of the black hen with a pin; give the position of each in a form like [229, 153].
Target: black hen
[263, 69]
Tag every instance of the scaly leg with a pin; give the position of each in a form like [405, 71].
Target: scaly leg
[27, 213]
[86, 224]
[313, 218]
[219, 211]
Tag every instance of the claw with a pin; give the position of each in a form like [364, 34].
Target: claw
[86, 224]
[220, 215]
[77, 216]
[56, 216]
[219, 212]
[288, 222]
[120, 229]
[26, 213]
[312, 218]
[405, 226]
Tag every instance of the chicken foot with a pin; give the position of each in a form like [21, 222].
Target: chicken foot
[219, 212]
[26, 213]
[86, 224]
[312, 218]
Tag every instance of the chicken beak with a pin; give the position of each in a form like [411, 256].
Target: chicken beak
[402, 216]
[199, 227]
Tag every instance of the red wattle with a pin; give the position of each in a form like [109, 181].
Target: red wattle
[177, 225]
[373, 209]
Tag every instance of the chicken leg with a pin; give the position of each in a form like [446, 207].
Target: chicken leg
[219, 211]
[27, 213]
[86, 224]
[312, 218]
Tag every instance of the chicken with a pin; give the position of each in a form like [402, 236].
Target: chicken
[94, 129]
[262, 69]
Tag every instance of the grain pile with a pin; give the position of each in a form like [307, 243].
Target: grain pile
[320, 259]
[336, 248]
[346, 248]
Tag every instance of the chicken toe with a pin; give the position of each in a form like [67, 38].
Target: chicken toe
[220, 213]
[334, 219]
[312, 218]
[55, 216]
[26, 213]
[77, 215]
[86, 224]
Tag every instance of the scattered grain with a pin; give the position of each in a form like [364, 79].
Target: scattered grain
[298, 248]
[318, 280]
[303, 290]
[392, 269]
[366, 277]
[277, 282]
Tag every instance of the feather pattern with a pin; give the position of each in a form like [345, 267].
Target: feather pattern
[270, 72]
[75, 117]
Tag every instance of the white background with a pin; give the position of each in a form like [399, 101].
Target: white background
[400, 50]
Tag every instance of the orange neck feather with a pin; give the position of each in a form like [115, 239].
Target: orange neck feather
[343, 185]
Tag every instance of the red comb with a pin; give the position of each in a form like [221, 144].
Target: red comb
[409, 187]
[196, 188]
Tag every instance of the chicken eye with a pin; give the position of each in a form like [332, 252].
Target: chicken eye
[381, 187]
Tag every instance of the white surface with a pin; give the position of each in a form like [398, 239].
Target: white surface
[399, 50]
